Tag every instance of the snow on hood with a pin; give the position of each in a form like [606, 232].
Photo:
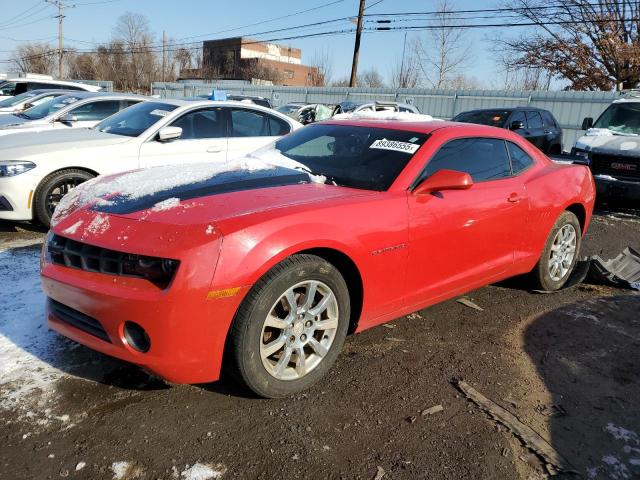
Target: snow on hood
[142, 183]
[385, 115]
[603, 143]
[599, 132]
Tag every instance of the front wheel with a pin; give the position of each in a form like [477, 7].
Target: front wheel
[53, 188]
[560, 254]
[290, 329]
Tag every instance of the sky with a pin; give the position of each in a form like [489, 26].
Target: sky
[93, 21]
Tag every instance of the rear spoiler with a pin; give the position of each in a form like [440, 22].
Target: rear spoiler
[566, 159]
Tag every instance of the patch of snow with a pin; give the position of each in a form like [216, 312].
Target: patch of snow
[201, 471]
[141, 183]
[167, 204]
[120, 469]
[80, 466]
[621, 433]
[98, 225]
[605, 177]
[73, 228]
[209, 230]
[599, 132]
[386, 115]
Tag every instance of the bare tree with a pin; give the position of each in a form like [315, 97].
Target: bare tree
[405, 73]
[82, 66]
[371, 78]
[322, 61]
[593, 45]
[445, 51]
[464, 82]
[34, 58]
[133, 33]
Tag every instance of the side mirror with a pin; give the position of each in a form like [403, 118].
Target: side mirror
[167, 134]
[67, 118]
[27, 106]
[587, 123]
[516, 125]
[444, 180]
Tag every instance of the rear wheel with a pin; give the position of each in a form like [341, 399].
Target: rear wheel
[53, 188]
[560, 254]
[291, 327]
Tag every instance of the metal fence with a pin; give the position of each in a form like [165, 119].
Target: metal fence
[569, 108]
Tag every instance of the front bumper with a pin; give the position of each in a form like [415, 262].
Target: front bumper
[17, 193]
[607, 186]
[186, 325]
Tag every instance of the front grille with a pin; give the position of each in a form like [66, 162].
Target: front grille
[73, 254]
[78, 320]
[616, 165]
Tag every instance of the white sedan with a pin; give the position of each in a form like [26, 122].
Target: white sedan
[37, 170]
[76, 110]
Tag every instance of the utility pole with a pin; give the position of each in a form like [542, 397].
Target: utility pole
[356, 47]
[60, 17]
[164, 54]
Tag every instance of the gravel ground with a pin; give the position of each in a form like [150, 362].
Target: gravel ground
[567, 364]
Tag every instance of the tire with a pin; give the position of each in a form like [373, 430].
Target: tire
[260, 338]
[52, 188]
[545, 276]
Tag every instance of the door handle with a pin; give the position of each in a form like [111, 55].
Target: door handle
[214, 149]
[514, 198]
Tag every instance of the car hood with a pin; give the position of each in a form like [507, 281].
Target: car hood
[27, 144]
[603, 141]
[206, 194]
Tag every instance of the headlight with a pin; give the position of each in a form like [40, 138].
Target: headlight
[11, 168]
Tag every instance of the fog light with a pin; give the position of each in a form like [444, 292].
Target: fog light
[136, 337]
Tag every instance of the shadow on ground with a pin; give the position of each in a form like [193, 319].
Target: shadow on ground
[588, 356]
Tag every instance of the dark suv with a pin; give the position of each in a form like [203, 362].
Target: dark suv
[536, 125]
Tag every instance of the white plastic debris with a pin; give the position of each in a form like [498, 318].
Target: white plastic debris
[200, 471]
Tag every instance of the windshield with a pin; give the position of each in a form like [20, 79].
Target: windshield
[494, 118]
[621, 118]
[132, 121]
[357, 157]
[10, 102]
[49, 107]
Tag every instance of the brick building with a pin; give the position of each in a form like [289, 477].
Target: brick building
[241, 58]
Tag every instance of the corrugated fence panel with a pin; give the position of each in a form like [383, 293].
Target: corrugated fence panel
[569, 108]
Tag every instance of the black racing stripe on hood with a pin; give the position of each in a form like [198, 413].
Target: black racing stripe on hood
[226, 182]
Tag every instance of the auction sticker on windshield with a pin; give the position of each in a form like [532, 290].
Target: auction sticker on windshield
[395, 146]
[160, 113]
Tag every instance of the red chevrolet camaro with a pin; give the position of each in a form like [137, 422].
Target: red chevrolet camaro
[269, 261]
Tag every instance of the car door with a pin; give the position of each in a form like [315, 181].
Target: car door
[203, 139]
[552, 134]
[89, 114]
[250, 129]
[535, 131]
[459, 239]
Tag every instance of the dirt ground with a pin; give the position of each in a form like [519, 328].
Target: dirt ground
[567, 364]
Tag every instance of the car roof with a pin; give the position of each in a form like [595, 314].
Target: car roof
[505, 109]
[417, 126]
[81, 95]
[88, 86]
[43, 91]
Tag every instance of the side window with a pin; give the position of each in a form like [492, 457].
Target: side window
[534, 120]
[520, 160]
[548, 119]
[278, 127]
[21, 87]
[128, 103]
[518, 116]
[96, 111]
[482, 158]
[201, 124]
[249, 123]
[8, 89]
